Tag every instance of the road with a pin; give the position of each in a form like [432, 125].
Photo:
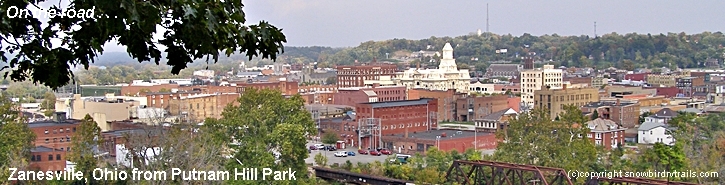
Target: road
[331, 159]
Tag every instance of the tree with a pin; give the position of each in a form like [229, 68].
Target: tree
[330, 137]
[533, 138]
[84, 145]
[156, 148]
[595, 114]
[264, 122]
[164, 90]
[16, 139]
[193, 31]
[48, 104]
[644, 116]
[321, 160]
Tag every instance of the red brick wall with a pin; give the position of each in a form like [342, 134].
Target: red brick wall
[607, 138]
[55, 138]
[136, 90]
[349, 97]
[354, 76]
[44, 164]
[485, 141]
[668, 92]
[286, 87]
[404, 118]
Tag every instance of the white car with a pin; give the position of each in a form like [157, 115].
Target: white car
[341, 154]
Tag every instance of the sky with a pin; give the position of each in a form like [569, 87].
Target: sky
[344, 23]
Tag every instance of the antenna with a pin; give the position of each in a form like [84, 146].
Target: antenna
[487, 19]
[595, 29]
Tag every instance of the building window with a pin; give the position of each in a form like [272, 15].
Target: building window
[46, 131]
[32, 158]
[50, 157]
[60, 130]
[37, 158]
[74, 129]
[47, 140]
[67, 129]
[57, 157]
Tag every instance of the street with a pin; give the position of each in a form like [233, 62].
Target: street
[331, 159]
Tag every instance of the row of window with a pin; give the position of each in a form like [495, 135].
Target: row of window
[39, 158]
[61, 130]
[62, 139]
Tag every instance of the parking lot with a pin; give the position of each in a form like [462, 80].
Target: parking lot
[331, 159]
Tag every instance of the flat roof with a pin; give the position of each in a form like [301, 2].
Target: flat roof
[47, 123]
[42, 149]
[421, 101]
[450, 134]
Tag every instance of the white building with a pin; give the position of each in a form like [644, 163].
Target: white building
[483, 88]
[654, 132]
[123, 155]
[447, 76]
[204, 73]
[536, 79]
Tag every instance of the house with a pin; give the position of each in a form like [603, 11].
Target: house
[606, 133]
[662, 116]
[655, 132]
[495, 121]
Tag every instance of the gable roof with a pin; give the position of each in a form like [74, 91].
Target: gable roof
[495, 116]
[666, 113]
[600, 124]
[650, 125]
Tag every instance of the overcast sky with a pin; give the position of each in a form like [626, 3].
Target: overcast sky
[340, 23]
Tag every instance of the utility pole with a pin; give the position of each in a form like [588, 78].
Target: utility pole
[595, 29]
[487, 25]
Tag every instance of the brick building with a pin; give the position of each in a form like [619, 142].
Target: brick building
[287, 88]
[141, 90]
[394, 117]
[446, 101]
[163, 99]
[668, 92]
[446, 140]
[351, 96]
[625, 114]
[554, 100]
[316, 88]
[686, 85]
[320, 97]
[355, 75]
[636, 77]
[605, 133]
[196, 108]
[477, 107]
[53, 140]
[342, 126]
[579, 80]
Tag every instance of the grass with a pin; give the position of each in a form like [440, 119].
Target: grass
[100, 90]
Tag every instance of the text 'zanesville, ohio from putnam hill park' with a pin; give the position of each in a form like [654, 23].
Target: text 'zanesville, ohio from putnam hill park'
[251, 174]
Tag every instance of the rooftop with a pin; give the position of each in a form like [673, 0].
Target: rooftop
[450, 134]
[41, 149]
[47, 123]
[422, 101]
[603, 104]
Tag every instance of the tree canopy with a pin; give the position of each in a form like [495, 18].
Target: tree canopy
[192, 31]
[16, 139]
[265, 123]
[533, 138]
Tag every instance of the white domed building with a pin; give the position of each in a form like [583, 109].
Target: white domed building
[447, 76]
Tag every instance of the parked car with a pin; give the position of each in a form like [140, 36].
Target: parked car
[320, 146]
[313, 148]
[341, 154]
[331, 148]
[350, 153]
[362, 152]
[385, 151]
[374, 152]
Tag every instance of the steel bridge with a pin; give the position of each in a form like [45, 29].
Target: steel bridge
[492, 173]
[355, 178]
